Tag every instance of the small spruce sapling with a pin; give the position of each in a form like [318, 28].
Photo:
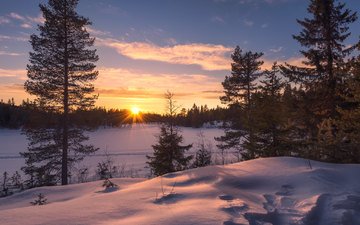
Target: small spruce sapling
[106, 169]
[41, 200]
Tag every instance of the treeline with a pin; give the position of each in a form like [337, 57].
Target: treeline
[29, 114]
[197, 116]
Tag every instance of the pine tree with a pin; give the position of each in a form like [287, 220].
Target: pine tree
[60, 73]
[347, 139]
[169, 154]
[272, 83]
[324, 38]
[270, 116]
[238, 89]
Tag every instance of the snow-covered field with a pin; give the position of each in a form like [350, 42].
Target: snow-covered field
[128, 146]
[278, 191]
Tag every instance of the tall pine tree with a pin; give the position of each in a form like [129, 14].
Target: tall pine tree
[60, 73]
[239, 88]
[324, 74]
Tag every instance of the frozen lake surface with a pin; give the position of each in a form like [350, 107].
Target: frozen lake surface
[128, 146]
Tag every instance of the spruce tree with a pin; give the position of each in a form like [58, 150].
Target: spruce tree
[347, 139]
[270, 116]
[60, 73]
[238, 89]
[169, 154]
[323, 77]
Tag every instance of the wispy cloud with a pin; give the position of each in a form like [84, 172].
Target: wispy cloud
[17, 16]
[218, 19]
[5, 37]
[21, 74]
[10, 54]
[137, 79]
[38, 19]
[276, 50]
[248, 23]
[97, 32]
[4, 20]
[295, 61]
[208, 56]
[27, 22]
[26, 26]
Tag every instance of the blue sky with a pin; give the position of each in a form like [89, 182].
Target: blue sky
[148, 47]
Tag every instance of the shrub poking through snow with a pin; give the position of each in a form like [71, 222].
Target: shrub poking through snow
[106, 169]
[41, 200]
[16, 181]
[166, 197]
[108, 184]
[5, 185]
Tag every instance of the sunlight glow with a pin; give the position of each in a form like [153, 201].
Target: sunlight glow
[135, 110]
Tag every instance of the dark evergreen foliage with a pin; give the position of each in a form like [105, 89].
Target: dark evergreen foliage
[60, 73]
[347, 138]
[324, 77]
[41, 200]
[44, 156]
[105, 169]
[270, 116]
[169, 154]
[238, 90]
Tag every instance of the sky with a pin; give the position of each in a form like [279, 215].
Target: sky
[149, 47]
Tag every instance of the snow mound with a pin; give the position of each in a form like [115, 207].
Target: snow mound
[278, 191]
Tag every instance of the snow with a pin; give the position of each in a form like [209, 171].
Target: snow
[128, 146]
[278, 191]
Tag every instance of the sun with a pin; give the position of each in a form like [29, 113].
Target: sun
[135, 110]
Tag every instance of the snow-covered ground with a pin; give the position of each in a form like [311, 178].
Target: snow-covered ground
[128, 146]
[278, 191]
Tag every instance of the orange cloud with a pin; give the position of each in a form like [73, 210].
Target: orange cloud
[122, 88]
[21, 74]
[208, 56]
[295, 61]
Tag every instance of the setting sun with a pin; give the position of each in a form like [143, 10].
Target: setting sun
[135, 110]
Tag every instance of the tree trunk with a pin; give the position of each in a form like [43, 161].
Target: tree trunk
[64, 164]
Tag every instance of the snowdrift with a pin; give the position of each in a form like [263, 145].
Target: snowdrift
[274, 191]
